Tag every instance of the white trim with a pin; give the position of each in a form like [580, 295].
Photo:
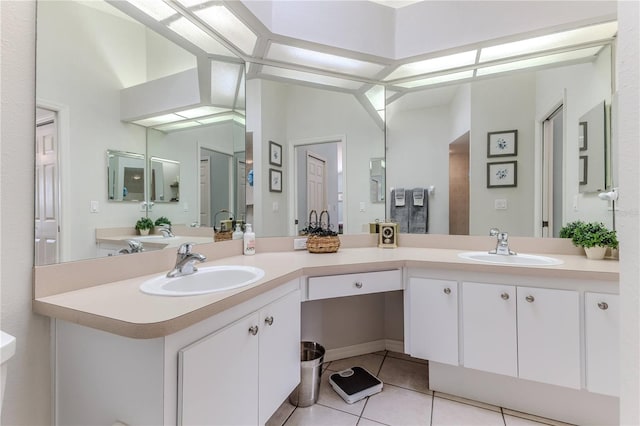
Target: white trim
[363, 349]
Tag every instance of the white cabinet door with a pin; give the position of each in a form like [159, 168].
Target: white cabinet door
[279, 352]
[549, 336]
[433, 319]
[602, 340]
[218, 377]
[489, 328]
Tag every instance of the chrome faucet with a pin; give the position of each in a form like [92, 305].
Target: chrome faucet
[165, 230]
[185, 261]
[502, 246]
[134, 247]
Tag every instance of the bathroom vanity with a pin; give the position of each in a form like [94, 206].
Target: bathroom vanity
[542, 340]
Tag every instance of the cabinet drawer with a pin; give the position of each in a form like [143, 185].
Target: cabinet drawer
[354, 284]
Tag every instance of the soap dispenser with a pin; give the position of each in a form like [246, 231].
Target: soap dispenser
[237, 234]
[249, 246]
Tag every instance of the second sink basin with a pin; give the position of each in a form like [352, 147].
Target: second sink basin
[207, 279]
[516, 260]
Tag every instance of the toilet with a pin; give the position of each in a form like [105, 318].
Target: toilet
[7, 350]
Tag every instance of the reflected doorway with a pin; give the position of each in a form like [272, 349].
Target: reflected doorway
[552, 172]
[215, 184]
[459, 186]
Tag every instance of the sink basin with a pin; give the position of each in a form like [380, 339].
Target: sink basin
[207, 280]
[153, 238]
[516, 260]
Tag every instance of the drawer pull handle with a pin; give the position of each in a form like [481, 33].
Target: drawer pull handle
[253, 330]
[529, 299]
[603, 305]
[269, 320]
[358, 284]
[447, 290]
[505, 296]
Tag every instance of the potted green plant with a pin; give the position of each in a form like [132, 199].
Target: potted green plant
[144, 225]
[594, 237]
[162, 220]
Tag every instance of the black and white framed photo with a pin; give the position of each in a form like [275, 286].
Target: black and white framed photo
[275, 154]
[502, 175]
[582, 136]
[582, 169]
[502, 144]
[275, 180]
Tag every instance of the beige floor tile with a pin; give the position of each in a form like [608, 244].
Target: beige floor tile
[319, 415]
[367, 422]
[281, 415]
[406, 374]
[467, 401]
[447, 412]
[534, 418]
[369, 362]
[397, 406]
[518, 421]
[405, 356]
[329, 397]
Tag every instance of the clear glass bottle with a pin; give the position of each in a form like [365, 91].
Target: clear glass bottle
[237, 234]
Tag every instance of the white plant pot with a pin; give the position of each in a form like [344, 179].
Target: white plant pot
[143, 231]
[595, 253]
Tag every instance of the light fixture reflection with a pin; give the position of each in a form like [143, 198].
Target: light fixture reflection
[229, 26]
[434, 64]
[158, 10]
[197, 36]
[311, 78]
[437, 79]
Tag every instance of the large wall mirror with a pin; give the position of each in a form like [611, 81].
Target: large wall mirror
[444, 137]
[112, 78]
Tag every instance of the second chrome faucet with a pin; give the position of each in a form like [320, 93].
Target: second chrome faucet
[185, 261]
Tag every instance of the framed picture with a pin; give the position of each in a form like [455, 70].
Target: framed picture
[502, 175]
[582, 169]
[582, 136]
[275, 154]
[502, 144]
[275, 180]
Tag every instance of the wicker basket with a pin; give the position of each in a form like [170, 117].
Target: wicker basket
[222, 236]
[321, 239]
[322, 244]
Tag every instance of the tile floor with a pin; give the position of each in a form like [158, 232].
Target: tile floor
[405, 400]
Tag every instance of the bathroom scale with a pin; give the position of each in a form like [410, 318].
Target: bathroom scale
[355, 383]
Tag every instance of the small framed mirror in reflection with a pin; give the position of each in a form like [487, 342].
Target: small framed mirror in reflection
[164, 180]
[125, 176]
[377, 175]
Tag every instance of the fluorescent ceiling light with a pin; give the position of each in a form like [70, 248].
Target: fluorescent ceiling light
[160, 119]
[434, 64]
[229, 26]
[201, 111]
[220, 118]
[311, 77]
[437, 79]
[225, 77]
[158, 10]
[324, 61]
[197, 36]
[177, 126]
[542, 60]
[551, 41]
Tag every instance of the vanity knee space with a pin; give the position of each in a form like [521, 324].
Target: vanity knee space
[565, 335]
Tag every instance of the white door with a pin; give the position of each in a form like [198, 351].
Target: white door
[47, 200]
[316, 183]
[241, 189]
[279, 363]
[218, 377]
[602, 328]
[489, 324]
[205, 192]
[432, 320]
[549, 336]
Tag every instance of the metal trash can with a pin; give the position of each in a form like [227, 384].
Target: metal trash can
[311, 358]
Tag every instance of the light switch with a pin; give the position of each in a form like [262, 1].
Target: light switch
[500, 204]
[94, 207]
[276, 206]
[362, 206]
[185, 207]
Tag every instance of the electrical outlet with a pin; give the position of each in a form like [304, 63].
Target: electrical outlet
[299, 243]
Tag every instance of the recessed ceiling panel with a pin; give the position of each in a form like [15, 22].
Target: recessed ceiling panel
[311, 78]
[197, 36]
[229, 26]
[437, 79]
[224, 82]
[434, 65]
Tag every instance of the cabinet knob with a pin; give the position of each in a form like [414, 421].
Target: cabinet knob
[358, 284]
[447, 290]
[603, 305]
[529, 298]
[269, 320]
[253, 330]
[505, 296]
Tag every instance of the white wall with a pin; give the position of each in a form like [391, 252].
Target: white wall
[28, 393]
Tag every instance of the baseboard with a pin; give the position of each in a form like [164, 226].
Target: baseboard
[364, 348]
